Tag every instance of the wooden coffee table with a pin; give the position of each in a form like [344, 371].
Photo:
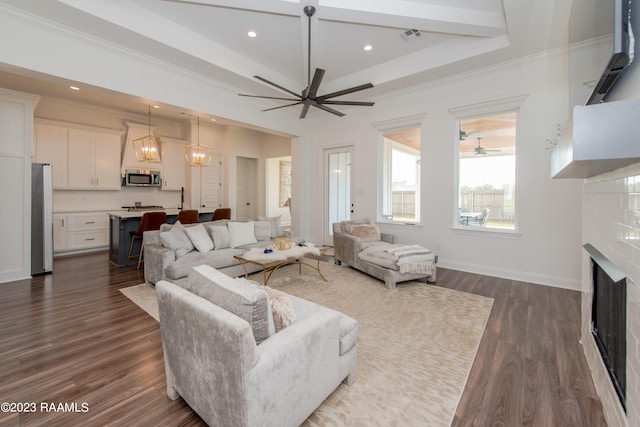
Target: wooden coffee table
[270, 262]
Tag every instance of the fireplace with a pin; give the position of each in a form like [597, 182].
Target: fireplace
[609, 318]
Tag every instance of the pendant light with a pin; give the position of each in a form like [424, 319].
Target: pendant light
[148, 148]
[196, 154]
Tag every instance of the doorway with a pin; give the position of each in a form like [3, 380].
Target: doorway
[338, 188]
[246, 184]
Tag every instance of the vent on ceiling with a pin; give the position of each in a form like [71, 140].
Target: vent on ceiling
[410, 35]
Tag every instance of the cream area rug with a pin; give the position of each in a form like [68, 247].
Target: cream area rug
[415, 350]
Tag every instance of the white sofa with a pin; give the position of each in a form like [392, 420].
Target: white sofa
[224, 358]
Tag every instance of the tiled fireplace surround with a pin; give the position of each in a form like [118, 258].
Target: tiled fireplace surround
[611, 223]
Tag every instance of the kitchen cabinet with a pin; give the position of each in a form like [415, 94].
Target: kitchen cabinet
[80, 231]
[93, 160]
[60, 236]
[173, 165]
[51, 147]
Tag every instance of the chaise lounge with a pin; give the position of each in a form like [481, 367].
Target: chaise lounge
[361, 245]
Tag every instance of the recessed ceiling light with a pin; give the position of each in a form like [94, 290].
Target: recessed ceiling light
[213, 120]
[252, 34]
[367, 47]
[156, 106]
[74, 87]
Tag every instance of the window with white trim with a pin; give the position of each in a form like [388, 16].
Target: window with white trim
[487, 171]
[400, 196]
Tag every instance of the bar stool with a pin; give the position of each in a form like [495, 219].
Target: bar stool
[188, 216]
[150, 221]
[221, 213]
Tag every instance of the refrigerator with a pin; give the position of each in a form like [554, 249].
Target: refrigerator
[41, 219]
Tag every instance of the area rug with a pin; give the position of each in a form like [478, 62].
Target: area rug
[416, 346]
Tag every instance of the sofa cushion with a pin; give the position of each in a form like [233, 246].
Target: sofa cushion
[262, 230]
[241, 233]
[218, 258]
[220, 236]
[247, 302]
[275, 222]
[377, 254]
[199, 237]
[176, 238]
[366, 232]
[345, 226]
[348, 327]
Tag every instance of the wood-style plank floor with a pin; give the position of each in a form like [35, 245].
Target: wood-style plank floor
[73, 338]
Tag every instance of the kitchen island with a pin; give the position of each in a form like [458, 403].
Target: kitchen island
[122, 223]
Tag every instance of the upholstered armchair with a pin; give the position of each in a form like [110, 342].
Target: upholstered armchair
[228, 363]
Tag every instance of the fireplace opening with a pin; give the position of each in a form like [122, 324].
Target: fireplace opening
[609, 319]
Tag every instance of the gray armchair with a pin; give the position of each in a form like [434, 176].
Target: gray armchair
[214, 363]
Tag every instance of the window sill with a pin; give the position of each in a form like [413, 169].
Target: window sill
[490, 232]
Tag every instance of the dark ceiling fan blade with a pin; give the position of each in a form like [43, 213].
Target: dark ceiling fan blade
[363, 103]
[276, 85]
[270, 97]
[344, 92]
[315, 83]
[283, 106]
[328, 109]
[303, 113]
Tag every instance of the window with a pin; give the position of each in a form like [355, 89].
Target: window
[401, 175]
[487, 172]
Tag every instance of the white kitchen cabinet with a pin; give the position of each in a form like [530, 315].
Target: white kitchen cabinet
[93, 160]
[60, 234]
[173, 164]
[51, 147]
[80, 231]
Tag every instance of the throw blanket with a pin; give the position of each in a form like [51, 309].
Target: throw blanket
[413, 259]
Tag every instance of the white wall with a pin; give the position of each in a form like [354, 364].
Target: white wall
[546, 250]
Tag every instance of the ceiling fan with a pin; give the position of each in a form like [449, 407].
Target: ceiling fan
[480, 150]
[309, 95]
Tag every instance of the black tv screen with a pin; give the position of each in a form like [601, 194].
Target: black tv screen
[623, 47]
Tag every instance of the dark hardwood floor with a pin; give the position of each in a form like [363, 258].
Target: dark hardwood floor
[72, 337]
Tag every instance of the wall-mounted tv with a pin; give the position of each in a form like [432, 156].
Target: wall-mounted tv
[623, 48]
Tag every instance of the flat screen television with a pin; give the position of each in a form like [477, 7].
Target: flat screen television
[623, 48]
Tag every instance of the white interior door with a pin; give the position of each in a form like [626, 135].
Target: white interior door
[211, 184]
[339, 188]
[246, 173]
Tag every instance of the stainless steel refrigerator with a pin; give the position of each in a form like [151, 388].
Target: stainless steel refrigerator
[41, 219]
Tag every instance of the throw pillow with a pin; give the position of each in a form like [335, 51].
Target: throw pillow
[282, 309]
[220, 236]
[276, 224]
[262, 230]
[366, 232]
[199, 237]
[177, 239]
[249, 303]
[241, 233]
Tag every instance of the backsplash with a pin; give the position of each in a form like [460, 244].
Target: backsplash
[79, 200]
[611, 223]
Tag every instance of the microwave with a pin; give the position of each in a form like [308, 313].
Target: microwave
[141, 178]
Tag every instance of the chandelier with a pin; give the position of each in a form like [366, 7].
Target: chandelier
[148, 148]
[196, 154]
